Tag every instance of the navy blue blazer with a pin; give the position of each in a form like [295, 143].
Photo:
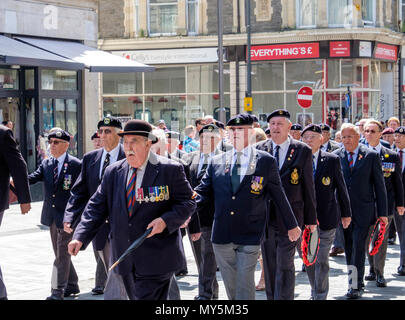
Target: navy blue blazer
[160, 254]
[86, 185]
[331, 191]
[12, 163]
[298, 182]
[365, 185]
[56, 196]
[393, 179]
[241, 218]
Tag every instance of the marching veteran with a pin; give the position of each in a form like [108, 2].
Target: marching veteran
[241, 183]
[137, 193]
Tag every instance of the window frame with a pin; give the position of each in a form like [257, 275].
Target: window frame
[368, 23]
[298, 16]
[197, 6]
[330, 25]
[159, 34]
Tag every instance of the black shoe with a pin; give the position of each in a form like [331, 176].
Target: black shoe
[97, 290]
[353, 294]
[381, 282]
[4, 298]
[71, 291]
[200, 298]
[401, 270]
[55, 296]
[391, 241]
[303, 268]
[371, 276]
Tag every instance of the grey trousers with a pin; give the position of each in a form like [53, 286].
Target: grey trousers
[3, 291]
[64, 275]
[114, 287]
[400, 226]
[318, 273]
[237, 264]
[101, 272]
[207, 275]
[339, 237]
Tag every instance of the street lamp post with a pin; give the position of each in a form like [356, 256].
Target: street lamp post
[222, 115]
[248, 93]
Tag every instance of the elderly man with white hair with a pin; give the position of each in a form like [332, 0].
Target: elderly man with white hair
[364, 179]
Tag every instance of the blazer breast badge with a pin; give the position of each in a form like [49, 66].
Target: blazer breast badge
[257, 185]
[294, 176]
[326, 181]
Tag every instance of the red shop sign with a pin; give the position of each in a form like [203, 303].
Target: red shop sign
[339, 48]
[385, 51]
[285, 51]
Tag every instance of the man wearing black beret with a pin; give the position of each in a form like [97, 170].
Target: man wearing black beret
[330, 190]
[295, 131]
[58, 174]
[93, 167]
[241, 183]
[223, 145]
[294, 160]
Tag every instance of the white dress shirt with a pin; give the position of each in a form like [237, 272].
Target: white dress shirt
[244, 159]
[315, 159]
[282, 153]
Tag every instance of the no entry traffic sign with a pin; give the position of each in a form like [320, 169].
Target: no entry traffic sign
[304, 97]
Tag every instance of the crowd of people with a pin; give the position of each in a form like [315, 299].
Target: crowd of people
[239, 193]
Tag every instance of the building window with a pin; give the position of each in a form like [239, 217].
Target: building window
[58, 79]
[368, 12]
[192, 17]
[162, 17]
[306, 13]
[339, 13]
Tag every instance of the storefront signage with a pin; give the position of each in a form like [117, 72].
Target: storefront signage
[385, 52]
[285, 51]
[171, 56]
[365, 49]
[339, 49]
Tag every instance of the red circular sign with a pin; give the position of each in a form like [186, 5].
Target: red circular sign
[304, 97]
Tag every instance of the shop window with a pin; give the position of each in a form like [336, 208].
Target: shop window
[339, 13]
[205, 78]
[58, 79]
[9, 79]
[368, 12]
[166, 80]
[306, 13]
[268, 76]
[162, 17]
[351, 71]
[122, 83]
[192, 17]
[308, 73]
[29, 79]
[333, 74]
[265, 103]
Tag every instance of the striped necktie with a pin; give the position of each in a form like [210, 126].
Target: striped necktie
[351, 160]
[55, 171]
[106, 163]
[130, 191]
[277, 156]
[401, 157]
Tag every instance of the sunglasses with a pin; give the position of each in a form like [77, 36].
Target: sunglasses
[106, 131]
[56, 142]
[370, 131]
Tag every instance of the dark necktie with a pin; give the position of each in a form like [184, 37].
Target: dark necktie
[130, 191]
[351, 160]
[106, 163]
[235, 178]
[401, 155]
[204, 166]
[277, 156]
[55, 171]
[313, 165]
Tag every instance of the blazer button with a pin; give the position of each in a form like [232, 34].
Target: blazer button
[53, 196]
[130, 225]
[232, 213]
[233, 197]
[53, 206]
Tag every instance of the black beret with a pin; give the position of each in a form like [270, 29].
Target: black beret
[172, 135]
[278, 113]
[211, 128]
[296, 126]
[324, 127]
[242, 119]
[313, 128]
[400, 130]
[59, 134]
[109, 122]
[139, 128]
[95, 135]
[219, 124]
[255, 119]
[267, 131]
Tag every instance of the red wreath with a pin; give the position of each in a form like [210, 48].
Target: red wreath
[306, 236]
[380, 238]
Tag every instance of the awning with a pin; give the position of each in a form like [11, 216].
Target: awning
[18, 53]
[95, 60]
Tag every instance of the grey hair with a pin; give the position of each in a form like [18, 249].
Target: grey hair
[350, 126]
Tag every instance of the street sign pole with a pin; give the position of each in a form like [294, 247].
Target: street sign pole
[248, 94]
[222, 115]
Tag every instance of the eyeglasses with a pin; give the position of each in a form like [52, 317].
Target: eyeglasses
[56, 142]
[106, 131]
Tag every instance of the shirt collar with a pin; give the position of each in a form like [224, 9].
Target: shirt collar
[114, 152]
[246, 152]
[316, 155]
[61, 159]
[143, 166]
[284, 145]
[356, 151]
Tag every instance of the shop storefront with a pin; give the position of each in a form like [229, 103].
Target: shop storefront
[350, 80]
[183, 87]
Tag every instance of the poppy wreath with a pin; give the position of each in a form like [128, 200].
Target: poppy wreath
[306, 237]
[373, 247]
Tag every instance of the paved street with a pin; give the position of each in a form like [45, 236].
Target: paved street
[26, 259]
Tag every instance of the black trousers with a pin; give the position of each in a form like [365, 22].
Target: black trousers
[147, 287]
